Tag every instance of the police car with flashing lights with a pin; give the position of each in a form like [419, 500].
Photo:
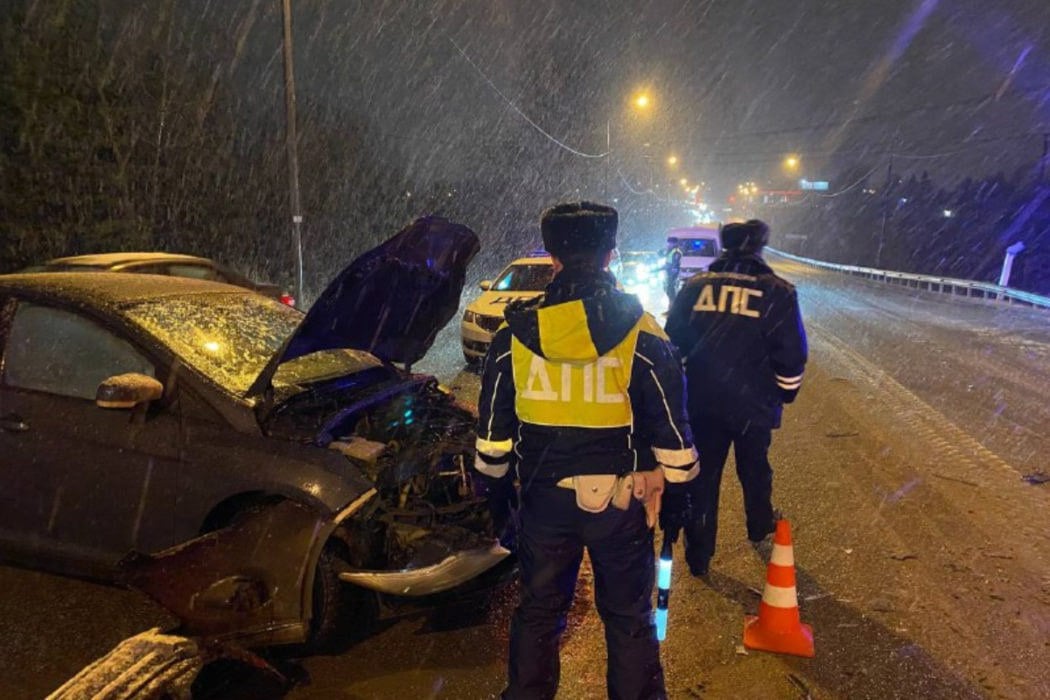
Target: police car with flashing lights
[524, 278]
[700, 246]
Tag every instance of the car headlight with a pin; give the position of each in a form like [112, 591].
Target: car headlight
[638, 290]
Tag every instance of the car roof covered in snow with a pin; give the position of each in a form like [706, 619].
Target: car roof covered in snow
[113, 259]
[110, 288]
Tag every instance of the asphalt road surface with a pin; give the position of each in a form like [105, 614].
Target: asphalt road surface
[921, 550]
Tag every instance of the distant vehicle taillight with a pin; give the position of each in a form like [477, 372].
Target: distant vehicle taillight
[287, 299]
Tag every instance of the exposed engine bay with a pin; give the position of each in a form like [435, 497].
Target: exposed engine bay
[417, 448]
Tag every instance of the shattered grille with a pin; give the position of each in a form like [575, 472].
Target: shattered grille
[490, 323]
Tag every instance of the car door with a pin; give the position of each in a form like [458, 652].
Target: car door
[25, 491]
[108, 476]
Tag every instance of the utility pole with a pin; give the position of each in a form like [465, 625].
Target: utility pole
[885, 211]
[292, 145]
[608, 156]
[649, 161]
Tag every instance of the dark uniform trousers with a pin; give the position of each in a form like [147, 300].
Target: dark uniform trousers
[713, 438]
[554, 533]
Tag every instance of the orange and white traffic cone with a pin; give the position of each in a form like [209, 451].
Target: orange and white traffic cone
[778, 627]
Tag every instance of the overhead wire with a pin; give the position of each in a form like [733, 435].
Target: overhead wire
[844, 190]
[522, 114]
[633, 191]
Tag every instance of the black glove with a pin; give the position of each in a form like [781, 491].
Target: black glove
[485, 486]
[677, 508]
[501, 497]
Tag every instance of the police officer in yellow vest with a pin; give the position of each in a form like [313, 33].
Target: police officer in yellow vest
[582, 401]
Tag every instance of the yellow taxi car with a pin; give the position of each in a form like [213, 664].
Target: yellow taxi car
[524, 278]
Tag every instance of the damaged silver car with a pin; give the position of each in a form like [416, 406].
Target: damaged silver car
[250, 467]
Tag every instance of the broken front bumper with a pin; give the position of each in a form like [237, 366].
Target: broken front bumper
[452, 571]
[252, 582]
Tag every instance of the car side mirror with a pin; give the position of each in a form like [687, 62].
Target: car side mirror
[127, 391]
[485, 285]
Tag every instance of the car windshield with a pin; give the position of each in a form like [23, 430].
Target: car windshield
[231, 337]
[524, 278]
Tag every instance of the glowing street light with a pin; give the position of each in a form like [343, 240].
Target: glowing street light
[640, 103]
[792, 162]
[672, 160]
[683, 182]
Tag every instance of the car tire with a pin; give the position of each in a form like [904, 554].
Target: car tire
[342, 613]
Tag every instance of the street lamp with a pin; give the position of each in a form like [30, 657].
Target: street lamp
[672, 160]
[640, 103]
[792, 162]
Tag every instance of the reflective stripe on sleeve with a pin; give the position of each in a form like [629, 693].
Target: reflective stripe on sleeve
[493, 448]
[678, 476]
[675, 458]
[789, 383]
[496, 471]
[492, 403]
[663, 398]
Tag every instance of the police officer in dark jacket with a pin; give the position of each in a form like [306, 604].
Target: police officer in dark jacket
[740, 333]
[583, 394]
[672, 269]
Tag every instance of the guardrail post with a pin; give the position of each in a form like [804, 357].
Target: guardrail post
[1008, 264]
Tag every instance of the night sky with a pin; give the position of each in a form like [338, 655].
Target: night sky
[955, 87]
[498, 108]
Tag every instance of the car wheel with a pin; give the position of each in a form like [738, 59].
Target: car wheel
[342, 613]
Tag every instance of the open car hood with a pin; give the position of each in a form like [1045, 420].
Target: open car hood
[391, 301]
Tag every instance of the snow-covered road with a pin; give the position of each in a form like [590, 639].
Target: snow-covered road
[922, 554]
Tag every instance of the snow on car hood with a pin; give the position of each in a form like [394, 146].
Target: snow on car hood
[391, 301]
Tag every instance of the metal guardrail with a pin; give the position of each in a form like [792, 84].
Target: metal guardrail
[945, 285]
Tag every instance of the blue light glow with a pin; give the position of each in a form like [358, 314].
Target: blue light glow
[661, 624]
[663, 574]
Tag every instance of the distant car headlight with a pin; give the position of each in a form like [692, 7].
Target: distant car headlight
[641, 274]
[646, 295]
